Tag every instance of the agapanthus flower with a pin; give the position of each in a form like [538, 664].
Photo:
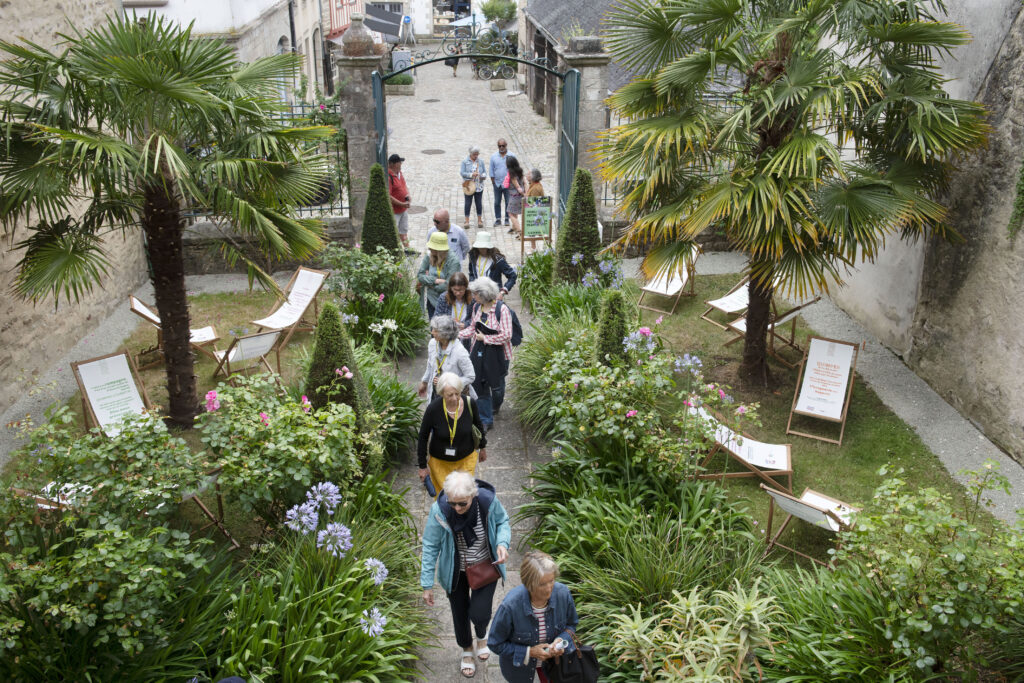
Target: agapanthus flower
[265, 419]
[373, 622]
[325, 493]
[349, 319]
[689, 363]
[306, 405]
[605, 266]
[212, 403]
[590, 279]
[377, 568]
[577, 259]
[389, 324]
[302, 518]
[335, 539]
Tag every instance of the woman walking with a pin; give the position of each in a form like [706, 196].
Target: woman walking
[444, 354]
[446, 433]
[474, 172]
[456, 302]
[490, 337]
[486, 260]
[535, 622]
[437, 266]
[516, 190]
[467, 529]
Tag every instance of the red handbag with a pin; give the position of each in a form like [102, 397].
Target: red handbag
[482, 573]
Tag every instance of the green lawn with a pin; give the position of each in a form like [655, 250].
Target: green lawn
[874, 435]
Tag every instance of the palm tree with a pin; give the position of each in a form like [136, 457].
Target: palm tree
[807, 130]
[131, 126]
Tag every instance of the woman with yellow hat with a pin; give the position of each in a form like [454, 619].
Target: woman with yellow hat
[437, 266]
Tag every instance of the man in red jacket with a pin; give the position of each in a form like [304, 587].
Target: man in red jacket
[399, 192]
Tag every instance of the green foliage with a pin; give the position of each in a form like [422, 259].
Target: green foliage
[394, 400]
[401, 79]
[271, 448]
[577, 233]
[333, 375]
[395, 326]
[535, 277]
[612, 328]
[499, 10]
[379, 228]
[299, 615]
[359, 274]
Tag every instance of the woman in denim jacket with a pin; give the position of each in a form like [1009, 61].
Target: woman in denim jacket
[535, 621]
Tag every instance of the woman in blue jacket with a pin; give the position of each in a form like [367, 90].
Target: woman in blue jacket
[485, 260]
[466, 525]
[535, 621]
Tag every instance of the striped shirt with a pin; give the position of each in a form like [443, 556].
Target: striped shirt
[504, 327]
[480, 550]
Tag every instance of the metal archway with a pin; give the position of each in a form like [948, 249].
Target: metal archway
[568, 133]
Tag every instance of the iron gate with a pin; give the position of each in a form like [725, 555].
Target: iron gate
[568, 136]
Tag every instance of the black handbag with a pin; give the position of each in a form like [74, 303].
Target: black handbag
[578, 666]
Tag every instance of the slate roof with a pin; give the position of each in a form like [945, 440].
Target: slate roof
[558, 16]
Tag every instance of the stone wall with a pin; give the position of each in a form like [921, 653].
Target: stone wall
[34, 336]
[968, 335]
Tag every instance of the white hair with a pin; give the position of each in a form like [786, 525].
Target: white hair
[474, 150]
[444, 326]
[484, 288]
[448, 379]
[460, 484]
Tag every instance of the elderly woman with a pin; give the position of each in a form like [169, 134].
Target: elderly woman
[535, 189]
[456, 302]
[446, 432]
[535, 621]
[444, 354]
[474, 173]
[490, 337]
[486, 260]
[467, 526]
[437, 266]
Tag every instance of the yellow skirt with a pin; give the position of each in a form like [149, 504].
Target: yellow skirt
[439, 469]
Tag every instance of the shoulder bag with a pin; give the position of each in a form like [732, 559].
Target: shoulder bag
[578, 666]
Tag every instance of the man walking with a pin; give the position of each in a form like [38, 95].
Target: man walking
[458, 241]
[399, 192]
[498, 171]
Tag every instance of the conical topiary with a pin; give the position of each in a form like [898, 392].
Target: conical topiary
[577, 233]
[332, 351]
[612, 327]
[379, 220]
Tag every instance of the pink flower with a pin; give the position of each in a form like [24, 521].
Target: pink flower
[212, 403]
[659, 320]
[631, 413]
[357, 245]
[645, 331]
[742, 410]
[575, 385]
[265, 419]
[687, 404]
[380, 299]
[305, 403]
[322, 107]
[721, 394]
[343, 372]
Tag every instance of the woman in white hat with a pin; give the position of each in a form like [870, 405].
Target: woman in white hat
[485, 260]
[437, 266]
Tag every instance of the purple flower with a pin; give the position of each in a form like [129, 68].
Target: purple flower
[577, 258]
[325, 493]
[335, 539]
[373, 622]
[377, 568]
[302, 517]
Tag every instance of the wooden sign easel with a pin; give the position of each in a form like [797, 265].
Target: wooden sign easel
[118, 365]
[536, 223]
[825, 384]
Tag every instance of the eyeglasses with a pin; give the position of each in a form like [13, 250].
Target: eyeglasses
[437, 222]
[502, 146]
[460, 503]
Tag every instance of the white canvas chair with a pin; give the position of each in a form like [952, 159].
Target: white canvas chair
[739, 326]
[200, 338]
[767, 461]
[671, 282]
[735, 301]
[248, 353]
[812, 507]
[300, 292]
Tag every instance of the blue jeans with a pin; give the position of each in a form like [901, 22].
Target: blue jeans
[499, 193]
[484, 400]
[478, 198]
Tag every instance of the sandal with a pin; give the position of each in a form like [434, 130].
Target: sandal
[482, 651]
[466, 663]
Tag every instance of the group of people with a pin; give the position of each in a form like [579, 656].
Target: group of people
[465, 545]
[508, 182]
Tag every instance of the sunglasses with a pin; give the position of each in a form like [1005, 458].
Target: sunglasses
[460, 503]
[502, 146]
[437, 222]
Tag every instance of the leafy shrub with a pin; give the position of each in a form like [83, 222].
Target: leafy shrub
[333, 373]
[612, 328]
[394, 400]
[395, 326]
[562, 299]
[314, 608]
[400, 79]
[499, 10]
[535, 277]
[356, 274]
[379, 228]
[578, 239]
[272, 448]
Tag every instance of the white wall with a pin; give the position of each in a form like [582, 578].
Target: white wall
[211, 16]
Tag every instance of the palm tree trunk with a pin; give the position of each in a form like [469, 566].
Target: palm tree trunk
[161, 222]
[754, 368]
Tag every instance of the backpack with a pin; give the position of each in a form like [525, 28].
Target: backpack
[517, 329]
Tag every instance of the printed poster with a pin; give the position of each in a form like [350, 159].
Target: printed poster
[826, 377]
[537, 216]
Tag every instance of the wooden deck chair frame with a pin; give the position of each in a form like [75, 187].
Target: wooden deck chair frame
[765, 475]
[87, 410]
[712, 308]
[773, 539]
[739, 327]
[224, 359]
[146, 312]
[846, 400]
[297, 326]
[689, 282]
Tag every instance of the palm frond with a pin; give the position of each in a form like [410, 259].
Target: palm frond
[60, 259]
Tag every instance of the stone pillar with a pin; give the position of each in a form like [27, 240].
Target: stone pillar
[355, 67]
[587, 54]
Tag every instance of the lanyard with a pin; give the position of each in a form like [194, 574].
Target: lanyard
[441, 358]
[480, 263]
[451, 424]
[460, 310]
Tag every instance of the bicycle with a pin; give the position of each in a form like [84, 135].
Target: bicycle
[502, 70]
